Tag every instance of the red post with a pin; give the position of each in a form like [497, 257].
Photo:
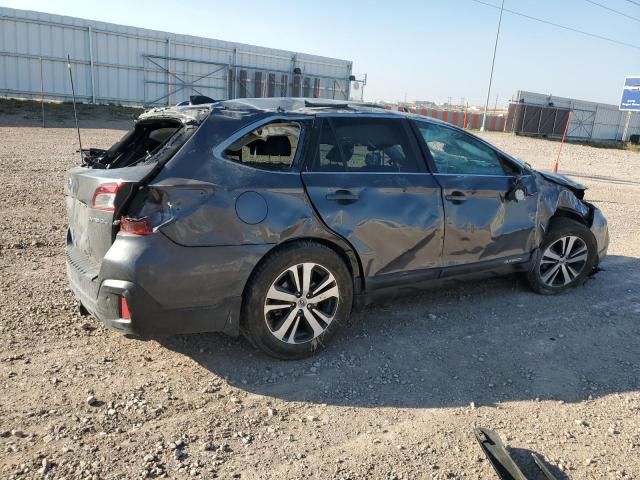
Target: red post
[564, 134]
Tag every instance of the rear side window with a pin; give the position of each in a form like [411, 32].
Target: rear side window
[456, 152]
[365, 145]
[269, 147]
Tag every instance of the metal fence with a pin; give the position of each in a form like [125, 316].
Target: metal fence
[135, 66]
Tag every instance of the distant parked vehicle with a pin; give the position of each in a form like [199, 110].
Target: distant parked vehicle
[273, 217]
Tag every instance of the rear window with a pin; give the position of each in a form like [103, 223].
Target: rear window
[270, 147]
[143, 144]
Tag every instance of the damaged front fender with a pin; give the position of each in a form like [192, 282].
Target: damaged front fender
[562, 197]
[554, 199]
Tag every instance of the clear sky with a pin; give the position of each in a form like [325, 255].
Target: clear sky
[426, 50]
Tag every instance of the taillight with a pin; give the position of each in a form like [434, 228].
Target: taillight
[104, 197]
[124, 309]
[136, 226]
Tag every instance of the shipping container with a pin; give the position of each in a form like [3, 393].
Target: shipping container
[135, 66]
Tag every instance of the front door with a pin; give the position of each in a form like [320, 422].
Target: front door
[483, 221]
[368, 182]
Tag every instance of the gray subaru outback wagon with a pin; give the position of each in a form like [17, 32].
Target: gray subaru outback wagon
[274, 217]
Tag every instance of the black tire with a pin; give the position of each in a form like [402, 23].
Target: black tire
[256, 323]
[559, 229]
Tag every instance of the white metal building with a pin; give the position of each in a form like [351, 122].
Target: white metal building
[589, 121]
[135, 66]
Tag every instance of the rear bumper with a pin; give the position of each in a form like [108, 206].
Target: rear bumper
[149, 318]
[169, 289]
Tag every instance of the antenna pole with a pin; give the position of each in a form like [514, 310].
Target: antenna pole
[493, 63]
[42, 91]
[75, 113]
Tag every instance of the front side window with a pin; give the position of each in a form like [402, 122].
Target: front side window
[456, 152]
[365, 145]
[269, 147]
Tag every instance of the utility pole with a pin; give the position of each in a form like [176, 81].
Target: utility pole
[493, 62]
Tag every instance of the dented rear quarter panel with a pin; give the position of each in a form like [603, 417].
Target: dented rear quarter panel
[279, 210]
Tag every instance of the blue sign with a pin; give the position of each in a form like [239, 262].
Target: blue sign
[631, 94]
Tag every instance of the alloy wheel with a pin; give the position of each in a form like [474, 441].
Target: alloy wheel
[301, 303]
[563, 261]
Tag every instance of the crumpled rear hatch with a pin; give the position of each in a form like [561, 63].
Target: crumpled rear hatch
[97, 193]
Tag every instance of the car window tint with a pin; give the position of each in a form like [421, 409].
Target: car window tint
[270, 147]
[458, 153]
[365, 145]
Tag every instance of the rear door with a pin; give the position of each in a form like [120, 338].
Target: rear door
[483, 221]
[367, 180]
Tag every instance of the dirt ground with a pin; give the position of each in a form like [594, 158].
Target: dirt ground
[396, 396]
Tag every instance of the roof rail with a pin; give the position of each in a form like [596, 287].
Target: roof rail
[307, 103]
[369, 105]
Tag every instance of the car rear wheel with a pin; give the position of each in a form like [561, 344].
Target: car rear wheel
[567, 256]
[296, 300]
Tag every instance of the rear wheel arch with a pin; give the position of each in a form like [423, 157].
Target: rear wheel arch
[257, 328]
[348, 256]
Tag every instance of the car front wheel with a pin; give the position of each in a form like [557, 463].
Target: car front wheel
[567, 256]
[296, 300]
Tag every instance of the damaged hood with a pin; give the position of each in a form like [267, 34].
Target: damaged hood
[577, 188]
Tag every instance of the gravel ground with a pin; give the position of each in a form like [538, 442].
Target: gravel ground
[396, 395]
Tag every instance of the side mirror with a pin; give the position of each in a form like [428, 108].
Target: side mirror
[518, 191]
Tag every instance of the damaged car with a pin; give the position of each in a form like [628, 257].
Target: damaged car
[274, 217]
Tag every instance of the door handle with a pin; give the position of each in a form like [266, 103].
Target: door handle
[456, 197]
[343, 196]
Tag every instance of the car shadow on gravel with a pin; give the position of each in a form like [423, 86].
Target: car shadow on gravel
[484, 342]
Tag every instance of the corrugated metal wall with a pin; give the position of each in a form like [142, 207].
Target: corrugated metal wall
[589, 121]
[127, 65]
